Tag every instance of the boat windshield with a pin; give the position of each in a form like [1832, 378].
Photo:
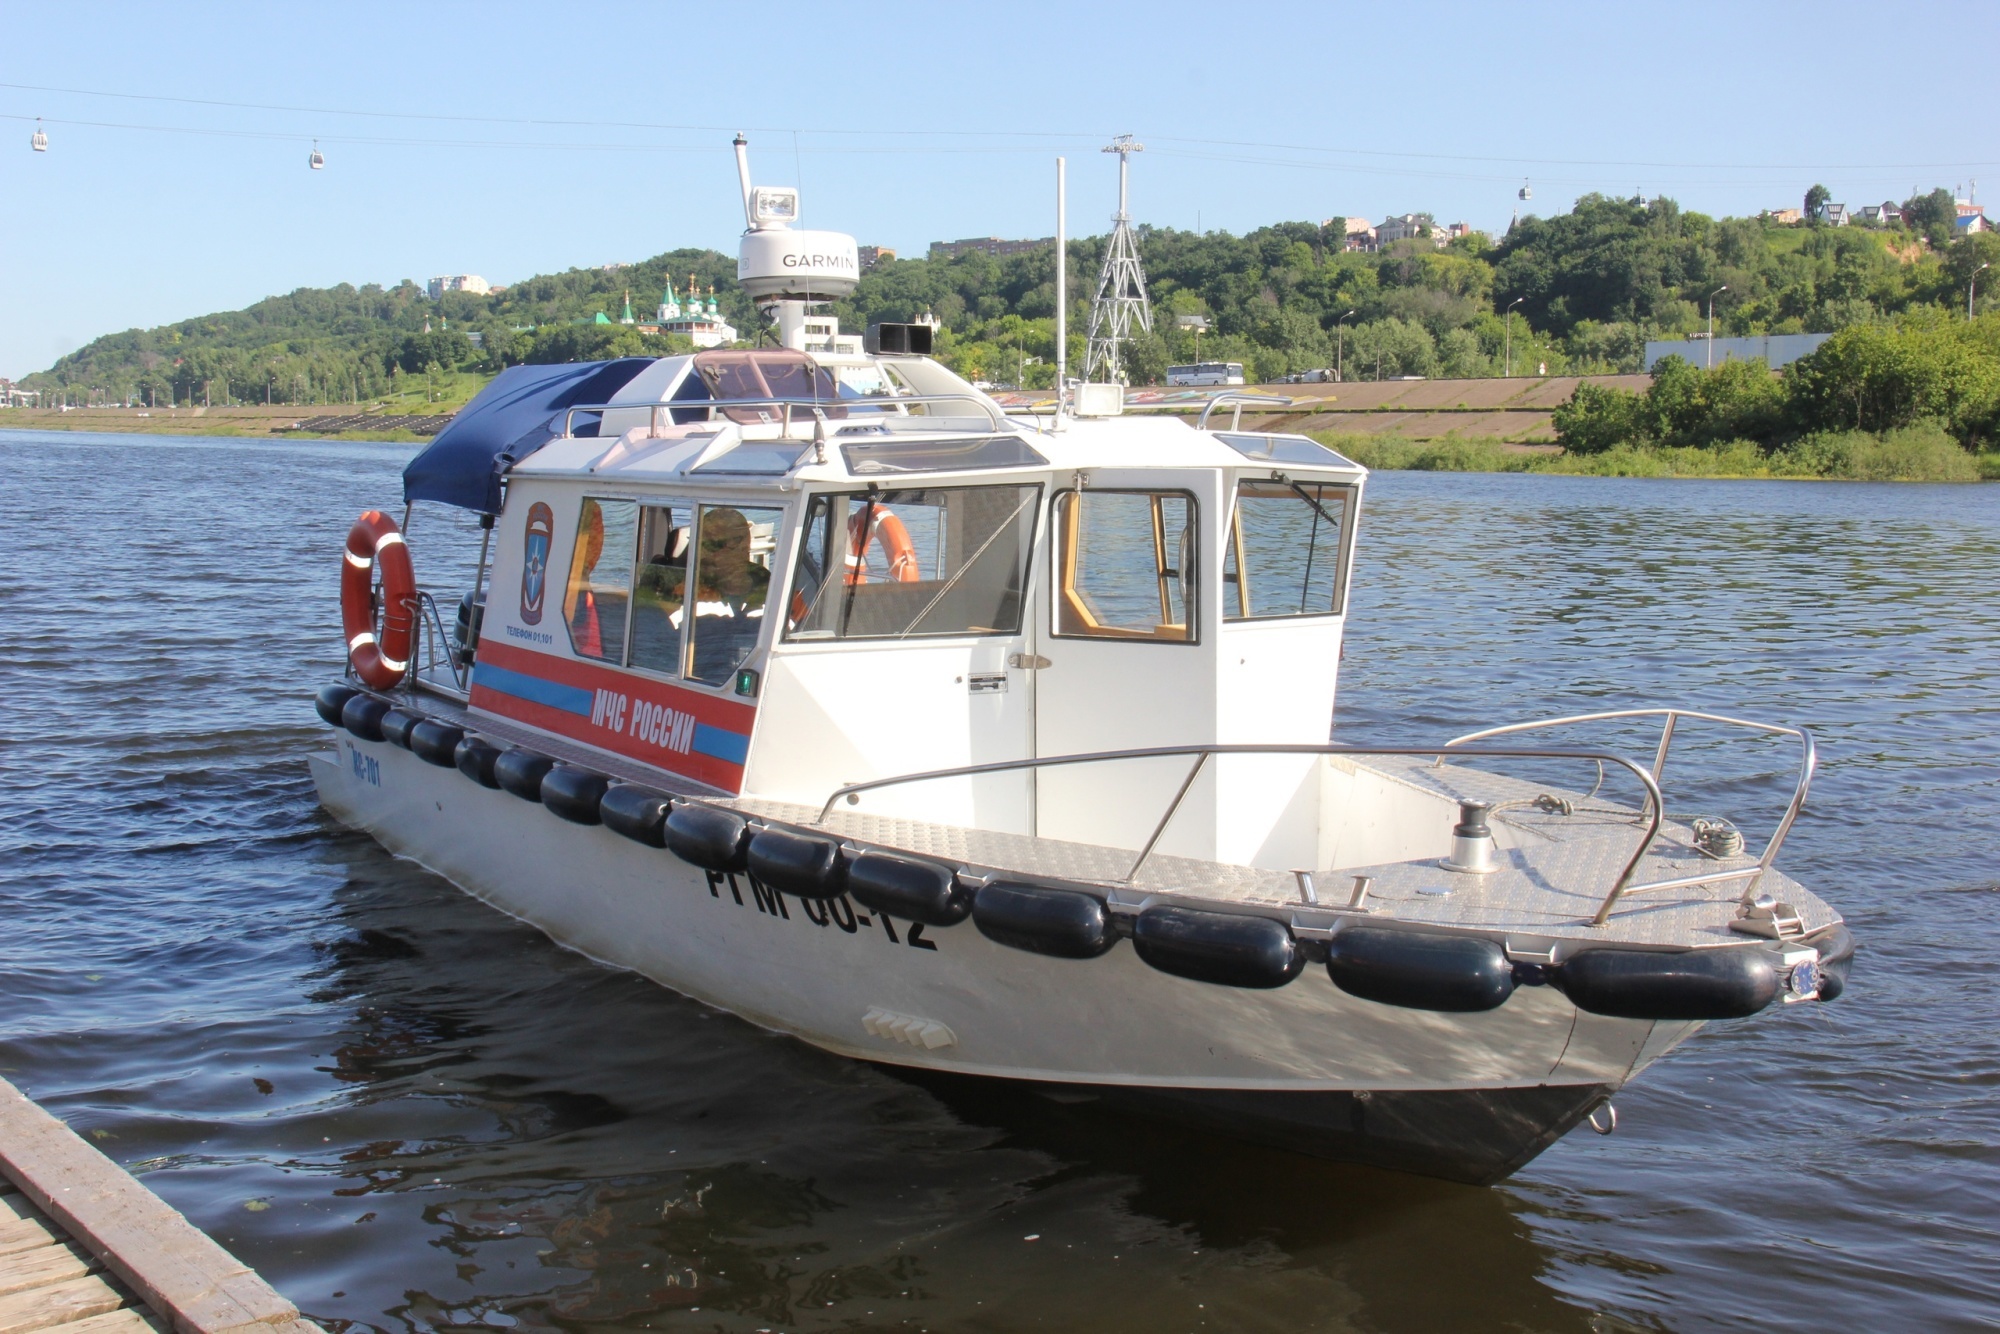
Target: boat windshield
[897, 564]
[754, 374]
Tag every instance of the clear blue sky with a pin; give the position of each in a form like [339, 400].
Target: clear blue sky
[903, 123]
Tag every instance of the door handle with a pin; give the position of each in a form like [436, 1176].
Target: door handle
[1028, 662]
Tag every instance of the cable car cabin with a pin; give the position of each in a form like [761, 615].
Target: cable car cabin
[883, 585]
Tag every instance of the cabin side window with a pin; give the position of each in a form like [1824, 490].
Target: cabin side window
[732, 581]
[666, 539]
[898, 564]
[723, 554]
[1287, 549]
[598, 596]
[1126, 565]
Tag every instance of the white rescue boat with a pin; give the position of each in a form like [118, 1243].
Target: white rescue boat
[809, 683]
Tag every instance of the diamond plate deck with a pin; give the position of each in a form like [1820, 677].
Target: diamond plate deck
[1547, 889]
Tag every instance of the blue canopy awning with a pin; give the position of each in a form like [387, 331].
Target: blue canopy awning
[517, 414]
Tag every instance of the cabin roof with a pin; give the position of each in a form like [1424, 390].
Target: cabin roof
[731, 455]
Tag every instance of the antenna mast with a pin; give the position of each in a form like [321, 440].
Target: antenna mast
[1121, 288]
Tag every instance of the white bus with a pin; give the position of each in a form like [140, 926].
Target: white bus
[1207, 372]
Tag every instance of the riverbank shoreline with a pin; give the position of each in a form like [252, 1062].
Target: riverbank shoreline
[1911, 456]
[1914, 455]
[245, 421]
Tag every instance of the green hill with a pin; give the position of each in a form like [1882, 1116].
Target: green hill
[347, 344]
[1587, 289]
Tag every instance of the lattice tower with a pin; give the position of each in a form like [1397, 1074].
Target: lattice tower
[1121, 288]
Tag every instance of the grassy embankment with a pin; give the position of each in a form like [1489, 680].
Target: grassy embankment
[255, 421]
[1921, 453]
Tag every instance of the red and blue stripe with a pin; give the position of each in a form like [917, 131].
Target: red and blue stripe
[668, 726]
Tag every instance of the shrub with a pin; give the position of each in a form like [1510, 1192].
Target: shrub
[1887, 377]
[1599, 417]
[1925, 452]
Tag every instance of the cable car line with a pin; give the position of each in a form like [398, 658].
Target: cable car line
[880, 131]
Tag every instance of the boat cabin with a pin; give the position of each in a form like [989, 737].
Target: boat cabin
[777, 572]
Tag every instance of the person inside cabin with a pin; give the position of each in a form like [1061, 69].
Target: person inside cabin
[728, 575]
[729, 596]
[598, 589]
[586, 628]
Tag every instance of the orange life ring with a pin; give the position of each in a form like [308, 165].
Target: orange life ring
[379, 660]
[897, 548]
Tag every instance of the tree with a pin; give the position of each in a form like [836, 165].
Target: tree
[1933, 216]
[1817, 199]
[1598, 417]
[1884, 377]
[444, 348]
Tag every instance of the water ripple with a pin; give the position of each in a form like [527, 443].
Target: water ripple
[413, 1113]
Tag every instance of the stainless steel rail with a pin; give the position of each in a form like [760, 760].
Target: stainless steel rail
[815, 405]
[434, 634]
[1655, 806]
[1239, 398]
[1808, 762]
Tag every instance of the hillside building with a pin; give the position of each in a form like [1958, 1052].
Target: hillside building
[992, 245]
[1360, 235]
[701, 324]
[871, 255]
[1404, 226]
[462, 282]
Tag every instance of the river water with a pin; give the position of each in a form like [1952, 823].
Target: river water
[411, 1112]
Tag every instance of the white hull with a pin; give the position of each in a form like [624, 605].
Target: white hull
[968, 1006]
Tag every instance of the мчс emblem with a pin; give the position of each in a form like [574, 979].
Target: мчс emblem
[535, 562]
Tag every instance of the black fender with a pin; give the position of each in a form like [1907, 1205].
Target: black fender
[1836, 956]
[436, 743]
[476, 757]
[810, 866]
[708, 837]
[330, 700]
[362, 715]
[1061, 923]
[574, 793]
[521, 772]
[396, 726]
[1722, 982]
[639, 813]
[923, 891]
[1228, 949]
[1420, 970]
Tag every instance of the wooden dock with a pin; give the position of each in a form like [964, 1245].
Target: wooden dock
[86, 1249]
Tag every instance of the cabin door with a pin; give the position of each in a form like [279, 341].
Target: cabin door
[906, 636]
[1119, 628]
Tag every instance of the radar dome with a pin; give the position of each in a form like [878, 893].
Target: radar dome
[784, 265]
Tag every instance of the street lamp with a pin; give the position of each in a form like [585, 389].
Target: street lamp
[1711, 324]
[1970, 284]
[1507, 370]
[1340, 343]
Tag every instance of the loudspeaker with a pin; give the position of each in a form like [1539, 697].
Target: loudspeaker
[898, 340]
